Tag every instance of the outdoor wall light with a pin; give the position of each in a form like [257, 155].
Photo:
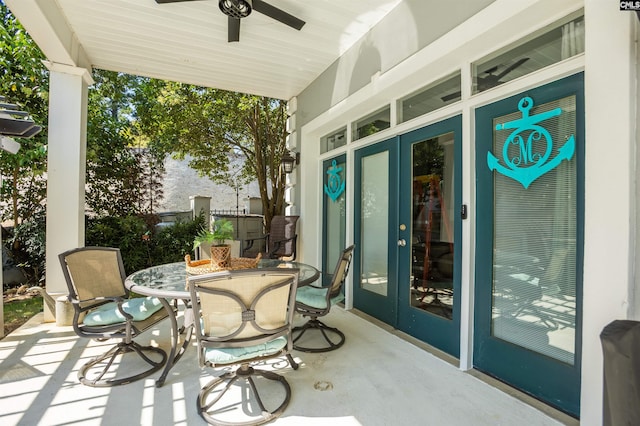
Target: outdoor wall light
[289, 161]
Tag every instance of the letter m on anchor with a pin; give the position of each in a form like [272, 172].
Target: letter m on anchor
[533, 147]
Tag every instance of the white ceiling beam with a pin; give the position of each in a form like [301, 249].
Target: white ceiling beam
[50, 30]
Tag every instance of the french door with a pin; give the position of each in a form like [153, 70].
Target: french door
[430, 255]
[375, 262]
[406, 228]
[528, 293]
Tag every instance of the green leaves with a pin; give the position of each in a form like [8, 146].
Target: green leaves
[123, 175]
[24, 81]
[218, 130]
[221, 230]
[141, 243]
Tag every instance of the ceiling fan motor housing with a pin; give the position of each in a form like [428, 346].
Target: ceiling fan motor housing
[235, 8]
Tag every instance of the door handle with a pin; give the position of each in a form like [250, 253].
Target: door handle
[402, 242]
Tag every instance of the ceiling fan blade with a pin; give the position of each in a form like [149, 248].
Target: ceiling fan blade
[277, 14]
[451, 96]
[233, 31]
[511, 68]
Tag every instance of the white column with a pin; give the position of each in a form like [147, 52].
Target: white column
[290, 196]
[68, 91]
[610, 97]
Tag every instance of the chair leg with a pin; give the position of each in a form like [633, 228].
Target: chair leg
[214, 415]
[109, 357]
[292, 362]
[315, 324]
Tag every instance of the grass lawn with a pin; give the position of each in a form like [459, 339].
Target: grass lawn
[19, 310]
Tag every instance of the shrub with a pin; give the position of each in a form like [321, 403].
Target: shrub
[27, 246]
[141, 243]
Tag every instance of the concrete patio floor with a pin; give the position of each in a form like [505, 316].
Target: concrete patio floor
[376, 378]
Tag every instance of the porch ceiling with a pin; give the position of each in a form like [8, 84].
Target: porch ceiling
[187, 41]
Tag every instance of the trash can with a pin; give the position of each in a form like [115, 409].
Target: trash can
[621, 348]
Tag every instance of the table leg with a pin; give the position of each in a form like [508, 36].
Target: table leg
[175, 353]
[187, 327]
[174, 341]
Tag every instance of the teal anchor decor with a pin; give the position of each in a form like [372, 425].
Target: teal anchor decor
[335, 185]
[530, 163]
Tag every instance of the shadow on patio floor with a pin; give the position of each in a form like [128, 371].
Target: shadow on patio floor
[376, 378]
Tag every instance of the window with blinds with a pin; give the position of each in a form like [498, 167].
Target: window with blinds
[534, 250]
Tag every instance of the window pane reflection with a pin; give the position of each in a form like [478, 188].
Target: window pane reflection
[432, 233]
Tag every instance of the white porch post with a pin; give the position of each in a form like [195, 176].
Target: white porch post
[68, 91]
[610, 163]
[291, 200]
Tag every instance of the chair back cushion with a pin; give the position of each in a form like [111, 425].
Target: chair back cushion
[244, 304]
[93, 272]
[341, 271]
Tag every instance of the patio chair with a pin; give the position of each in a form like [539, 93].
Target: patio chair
[244, 317]
[103, 310]
[315, 302]
[280, 241]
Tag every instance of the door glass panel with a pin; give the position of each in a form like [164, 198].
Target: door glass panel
[432, 226]
[335, 215]
[534, 250]
[374, 222]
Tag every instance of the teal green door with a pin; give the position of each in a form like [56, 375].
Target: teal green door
[407, 231]
[529, 239]
[430, 227]
[375, 230]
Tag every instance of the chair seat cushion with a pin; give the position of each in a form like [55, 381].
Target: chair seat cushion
[140, 308]
[234, 355]
[316, 297]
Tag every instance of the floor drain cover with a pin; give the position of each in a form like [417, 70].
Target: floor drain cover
[323, 386]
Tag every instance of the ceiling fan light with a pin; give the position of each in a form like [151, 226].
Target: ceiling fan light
[235, 8]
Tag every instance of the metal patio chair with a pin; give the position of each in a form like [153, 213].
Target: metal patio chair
[243, 318]
[103, 310]
[315, 302]
[280, 241]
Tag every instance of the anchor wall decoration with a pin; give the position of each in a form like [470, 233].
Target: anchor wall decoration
[534, 145]
[335, 184]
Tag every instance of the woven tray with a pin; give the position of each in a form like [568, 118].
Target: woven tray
[196, 267]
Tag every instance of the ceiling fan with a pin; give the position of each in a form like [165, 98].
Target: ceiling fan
[490, 79]
[238, 9]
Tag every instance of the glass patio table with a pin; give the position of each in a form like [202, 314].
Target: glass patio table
[168, 282]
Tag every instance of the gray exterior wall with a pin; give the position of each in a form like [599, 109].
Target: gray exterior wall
[422, 22]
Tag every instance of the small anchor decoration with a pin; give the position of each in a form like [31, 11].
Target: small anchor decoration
[335, 185]
[529, 164]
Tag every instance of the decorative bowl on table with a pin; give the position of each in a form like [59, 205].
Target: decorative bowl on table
[205, 266]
